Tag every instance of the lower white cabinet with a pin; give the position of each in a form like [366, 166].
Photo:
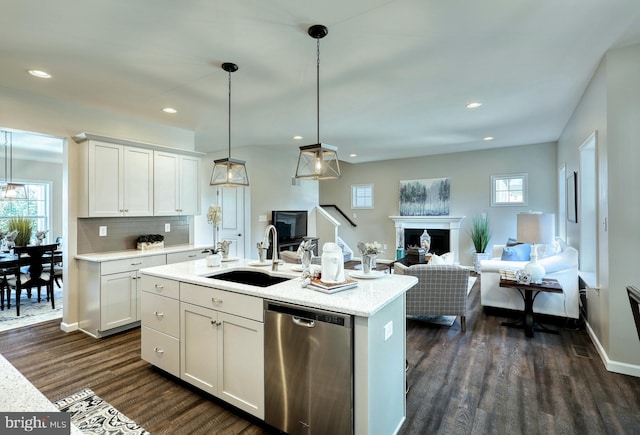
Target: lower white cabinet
[220, 340]
[109, 295]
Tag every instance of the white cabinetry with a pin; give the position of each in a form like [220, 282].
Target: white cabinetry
[161, 323]
[179, 257]
[119, 181]
[220, 340]
[222, 345]
[109, 295]
[176, 184]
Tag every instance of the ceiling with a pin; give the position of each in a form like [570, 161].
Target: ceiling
[395, 76]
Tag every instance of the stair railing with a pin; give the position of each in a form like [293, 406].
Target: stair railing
[353, 224]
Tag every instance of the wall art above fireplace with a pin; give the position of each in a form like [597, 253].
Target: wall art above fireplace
[428, 197]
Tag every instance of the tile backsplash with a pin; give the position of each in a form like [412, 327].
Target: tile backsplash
[122, 232]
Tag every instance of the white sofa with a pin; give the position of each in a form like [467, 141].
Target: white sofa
[562, 266]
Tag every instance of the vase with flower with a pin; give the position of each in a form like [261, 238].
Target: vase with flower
[214, 217]
[368, 254]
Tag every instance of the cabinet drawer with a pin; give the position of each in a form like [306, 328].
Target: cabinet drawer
[131, 264]
[160, 286]
[161, 350]
[222, 300]
[161, 313]
[178, 257]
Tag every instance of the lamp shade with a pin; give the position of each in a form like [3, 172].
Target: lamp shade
[536, 228]
[318, 162]
[229, 172]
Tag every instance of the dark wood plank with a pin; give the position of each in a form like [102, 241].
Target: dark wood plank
[490, 379]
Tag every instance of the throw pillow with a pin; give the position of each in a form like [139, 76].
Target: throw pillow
[512, 241]
[521, 252]
[447, 257]
[436, 260]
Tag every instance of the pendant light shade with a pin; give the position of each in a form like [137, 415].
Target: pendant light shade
[229, 172]
[10, 189]
[318, 161]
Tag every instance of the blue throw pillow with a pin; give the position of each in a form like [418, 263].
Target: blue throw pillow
[520, 252]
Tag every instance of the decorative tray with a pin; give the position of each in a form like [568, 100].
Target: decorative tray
[324, 287]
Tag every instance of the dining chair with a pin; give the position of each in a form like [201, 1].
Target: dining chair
[34, 270]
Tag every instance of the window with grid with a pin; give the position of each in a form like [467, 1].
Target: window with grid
[362, 196]
[35, 205]
[509, 189]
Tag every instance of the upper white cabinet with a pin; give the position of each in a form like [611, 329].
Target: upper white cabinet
[176, 184]
[120, 179]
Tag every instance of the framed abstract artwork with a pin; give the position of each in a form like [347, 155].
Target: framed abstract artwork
[429, 197]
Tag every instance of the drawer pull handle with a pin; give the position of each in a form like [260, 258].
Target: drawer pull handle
[216, 301]
[159, 286]
[157, 314]
[136, 264]
[158, 350]
[219, 323]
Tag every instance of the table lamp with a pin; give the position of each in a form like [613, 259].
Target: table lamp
[535, 228]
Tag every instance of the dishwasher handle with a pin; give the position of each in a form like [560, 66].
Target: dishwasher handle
[303, 322]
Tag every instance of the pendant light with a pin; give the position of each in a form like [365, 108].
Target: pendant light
[318, 161]
[229, 172]
[10, 190]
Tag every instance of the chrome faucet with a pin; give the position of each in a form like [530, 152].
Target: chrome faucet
[275, 262]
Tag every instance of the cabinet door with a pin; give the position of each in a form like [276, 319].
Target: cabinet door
[189, 185]
[105, 179]
[241, 363]
[138, 182]
[165, 183]
[199, 347]
[118, 300]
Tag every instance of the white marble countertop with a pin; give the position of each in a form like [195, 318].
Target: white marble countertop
[365, 300]
[132, 253]
[17, 394]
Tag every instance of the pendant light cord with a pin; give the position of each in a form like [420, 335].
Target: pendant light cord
[229, 115]
[318, 90]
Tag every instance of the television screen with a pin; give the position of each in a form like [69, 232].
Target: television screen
[291, 225]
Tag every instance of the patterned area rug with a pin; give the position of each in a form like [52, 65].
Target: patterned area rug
[92, 415]
[444, 320]
[31, 311]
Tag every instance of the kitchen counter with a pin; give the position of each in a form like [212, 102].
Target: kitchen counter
[133, 253]
[370, 296]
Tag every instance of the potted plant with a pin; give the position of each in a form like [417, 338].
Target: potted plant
[150, 241]
[24, 226]
[480, 234]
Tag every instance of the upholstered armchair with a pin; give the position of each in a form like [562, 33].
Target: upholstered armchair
[441, 290]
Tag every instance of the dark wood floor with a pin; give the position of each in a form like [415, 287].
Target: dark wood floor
[490, 379]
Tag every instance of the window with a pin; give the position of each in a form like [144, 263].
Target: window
[509, 189]
[362, 196]
[36, 206]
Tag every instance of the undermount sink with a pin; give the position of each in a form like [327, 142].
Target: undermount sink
[249, 277]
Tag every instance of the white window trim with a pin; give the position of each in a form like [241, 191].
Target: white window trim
[525, 190]
[354, 187]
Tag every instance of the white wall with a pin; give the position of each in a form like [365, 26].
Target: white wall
[609, 106]
[470, 174]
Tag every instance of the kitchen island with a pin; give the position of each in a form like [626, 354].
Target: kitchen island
[210, 333]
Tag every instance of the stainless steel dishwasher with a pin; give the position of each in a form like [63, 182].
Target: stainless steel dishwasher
[308, 370]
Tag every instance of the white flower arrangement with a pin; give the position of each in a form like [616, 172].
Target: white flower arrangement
[214, 215]
[367, 248]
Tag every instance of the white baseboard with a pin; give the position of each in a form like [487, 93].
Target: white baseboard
[610, 365]
[69, 327]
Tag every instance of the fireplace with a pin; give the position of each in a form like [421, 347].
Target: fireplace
[433, 225]
[440, 242]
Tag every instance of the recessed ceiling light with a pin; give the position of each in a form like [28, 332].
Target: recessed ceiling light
[353, 155]
[169, 110]
[473, 105]
[40, 74]
[488, 138]
[297, 137]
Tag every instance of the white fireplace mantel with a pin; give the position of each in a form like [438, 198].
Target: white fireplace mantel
[451, 223]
